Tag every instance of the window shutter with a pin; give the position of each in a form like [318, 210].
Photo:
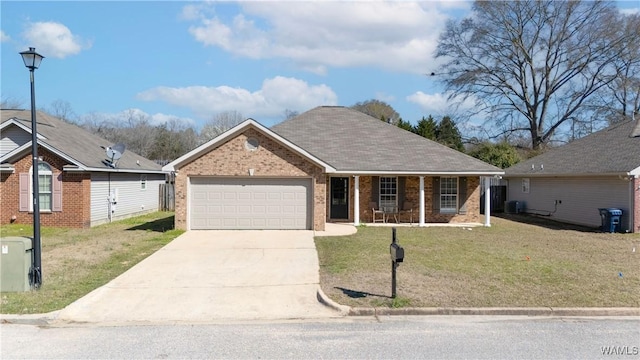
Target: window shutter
[375, 189]
[24, 192]
[402, 181]
[57, 192]
[436, 193]
[462, 195]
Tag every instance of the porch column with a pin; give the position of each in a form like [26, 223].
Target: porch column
[487, 201]
[421, 216]
[356, 200]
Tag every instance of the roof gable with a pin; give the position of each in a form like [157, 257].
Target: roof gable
[83, 150]
[232, 133]
[355, 142]
[611, 151]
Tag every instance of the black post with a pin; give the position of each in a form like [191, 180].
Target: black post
[394, 265]
[35, 273]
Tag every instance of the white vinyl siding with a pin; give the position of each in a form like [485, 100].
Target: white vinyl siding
[580, 198]
[12, 138]
[131, 199]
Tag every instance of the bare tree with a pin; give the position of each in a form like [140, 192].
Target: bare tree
[379, 110]
[289, 114]
[11, 103]
[621, 97]
[62, 110]
[531, 65]
[219, 124]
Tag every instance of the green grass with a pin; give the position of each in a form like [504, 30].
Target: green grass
[77, 261]
[509, 264]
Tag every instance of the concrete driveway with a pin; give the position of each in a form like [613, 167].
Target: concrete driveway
[212, 276]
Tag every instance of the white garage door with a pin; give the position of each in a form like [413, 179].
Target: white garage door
[250, 203]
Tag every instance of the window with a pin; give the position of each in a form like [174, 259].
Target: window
[388, 191]
[45, 186]
[448, 194]
[525, 185]
[143, 182]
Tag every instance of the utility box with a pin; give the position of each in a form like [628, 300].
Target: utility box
[15, 261]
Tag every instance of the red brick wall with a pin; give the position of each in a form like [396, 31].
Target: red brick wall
[271, 159]
[76, 191]
[412, 194]
[636, 205]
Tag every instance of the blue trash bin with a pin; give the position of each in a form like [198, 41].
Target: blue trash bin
[610, 219]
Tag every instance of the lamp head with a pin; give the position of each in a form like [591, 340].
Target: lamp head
[31, 58]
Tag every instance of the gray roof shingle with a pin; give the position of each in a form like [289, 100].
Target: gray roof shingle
[78, 144]
[352, 141]
[614, 150]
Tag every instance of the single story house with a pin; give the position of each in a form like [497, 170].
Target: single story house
[81, 179]
[330, 164]
[572, 182]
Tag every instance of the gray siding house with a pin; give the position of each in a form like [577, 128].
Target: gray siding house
[80, 186]
[570, 183]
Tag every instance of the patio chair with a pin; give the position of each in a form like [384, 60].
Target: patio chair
[407, 208]
[376, 211]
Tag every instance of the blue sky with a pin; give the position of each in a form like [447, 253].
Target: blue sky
[193, 60]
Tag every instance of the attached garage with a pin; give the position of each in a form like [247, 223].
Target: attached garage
[250, 203]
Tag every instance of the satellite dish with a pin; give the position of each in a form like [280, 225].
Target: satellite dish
[114, 153]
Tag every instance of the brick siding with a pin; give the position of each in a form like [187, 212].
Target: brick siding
[636, 205]
[270, 159]
[76, 191]
[412, 194]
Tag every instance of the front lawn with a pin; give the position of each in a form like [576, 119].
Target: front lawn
[510, 264]
[77, 261]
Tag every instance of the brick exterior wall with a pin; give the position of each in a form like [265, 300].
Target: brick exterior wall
[636, 205]
[270, 159]
[76, 191]
[412, 194]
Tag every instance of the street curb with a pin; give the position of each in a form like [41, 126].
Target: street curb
[514, 311]
[325, 300]
[536, 311]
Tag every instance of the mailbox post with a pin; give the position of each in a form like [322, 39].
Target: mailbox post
[397, 256]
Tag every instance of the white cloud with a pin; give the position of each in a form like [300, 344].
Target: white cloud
[315, 35]
[4, 37]
[276, 95]
[630, 11]
[438, 103]
[54, 39]
[135, 115]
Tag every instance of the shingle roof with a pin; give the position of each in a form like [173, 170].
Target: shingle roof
[78, 144]
[614, 150]
[352, 141]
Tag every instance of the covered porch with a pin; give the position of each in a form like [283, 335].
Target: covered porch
[407, 199]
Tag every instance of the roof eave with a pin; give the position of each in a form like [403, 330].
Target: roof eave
[114, 170]
[419, 173]
[229, 134]
[607, 174]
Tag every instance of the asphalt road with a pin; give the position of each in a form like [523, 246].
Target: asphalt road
[417, 337]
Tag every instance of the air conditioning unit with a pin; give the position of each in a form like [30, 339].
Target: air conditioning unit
[515, 207]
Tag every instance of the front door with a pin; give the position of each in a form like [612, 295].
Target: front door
[339, 198]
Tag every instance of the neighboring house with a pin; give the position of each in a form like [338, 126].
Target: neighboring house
[328, 164]
[570, 183]
[78, 185]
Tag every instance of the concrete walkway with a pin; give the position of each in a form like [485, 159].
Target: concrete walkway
[212, 276]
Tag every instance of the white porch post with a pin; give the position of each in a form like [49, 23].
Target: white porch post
[356, 200]
[487, 201]
[421, 221]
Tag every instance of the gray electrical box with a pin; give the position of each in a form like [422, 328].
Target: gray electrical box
[15, 261]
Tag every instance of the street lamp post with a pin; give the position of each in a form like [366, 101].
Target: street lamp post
[32, 61]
